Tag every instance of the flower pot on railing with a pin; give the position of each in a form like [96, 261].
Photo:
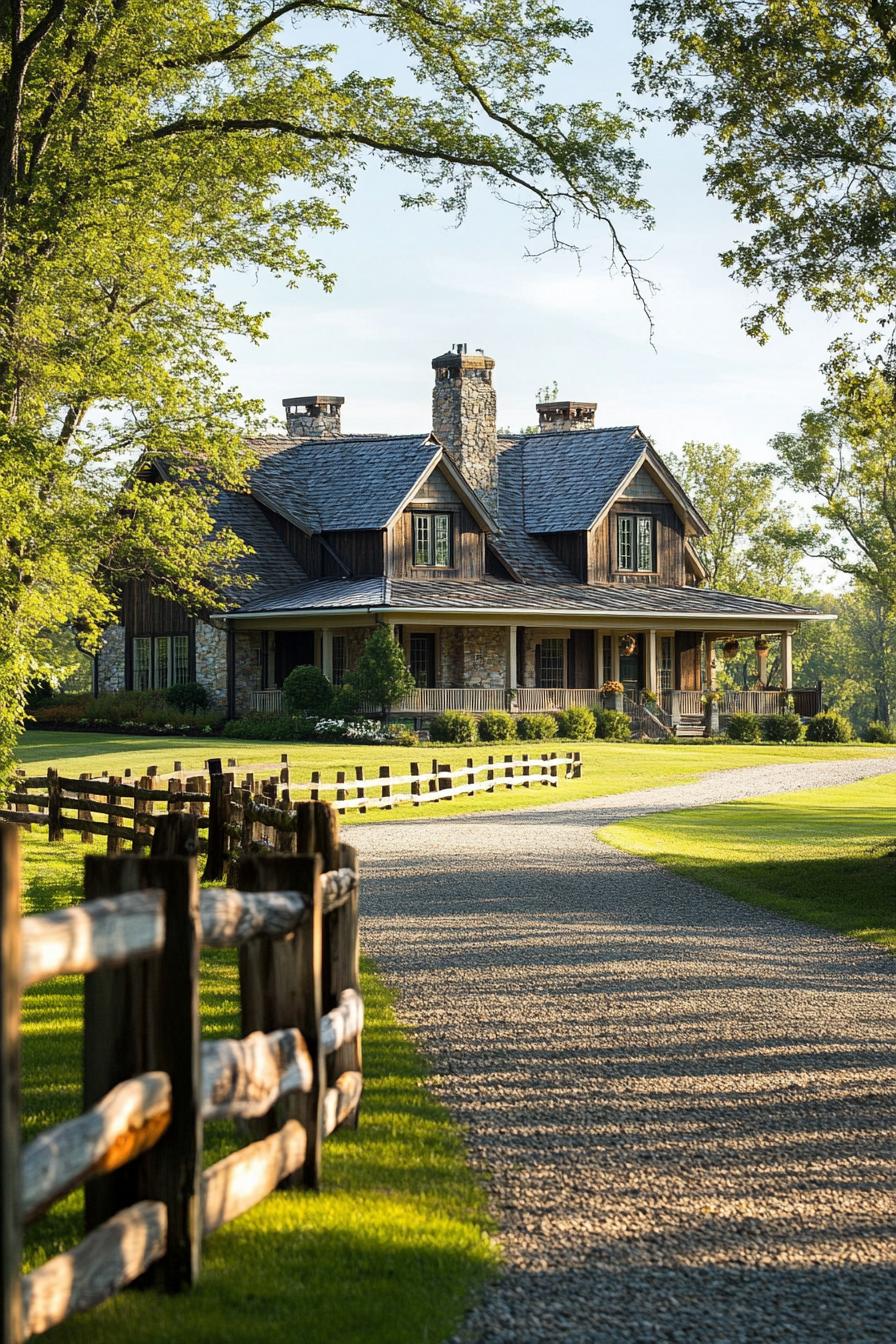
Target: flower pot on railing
[611, 694]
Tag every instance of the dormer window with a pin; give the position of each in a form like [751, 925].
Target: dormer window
[635, 543]
[433, 541]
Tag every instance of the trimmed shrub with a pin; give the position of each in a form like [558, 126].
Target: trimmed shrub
[130, 711]
[187, 695]
[829, 726]
[455, 725]
[878, 731]
[744, 728]
[576, 723]
[307, 691]
[612, 725]
[496, 726]
[536, 727]
[267, 728]
[782, 727]
[381, 676]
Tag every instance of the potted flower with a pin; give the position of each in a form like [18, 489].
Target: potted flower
[730, 649]
[611, 694]
[761, 644]
[627, 644]
[711, 699]
[648, 696]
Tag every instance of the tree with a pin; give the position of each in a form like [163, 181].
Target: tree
[143, 148]
[742, 553]
[381, 676]
[844, 460]
[796, 105]
[854, 657]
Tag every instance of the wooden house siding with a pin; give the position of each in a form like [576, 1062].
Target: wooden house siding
[469, 544]
[143, 613]
[668, 544]
[307, 550]
[572, 549]
[688, 675]
[362, 552]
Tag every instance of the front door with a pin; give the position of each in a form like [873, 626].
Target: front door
[630, 670]
[422, 659]
[292, 648]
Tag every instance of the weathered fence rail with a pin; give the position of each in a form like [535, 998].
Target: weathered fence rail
[150, 1082]
[235, 808]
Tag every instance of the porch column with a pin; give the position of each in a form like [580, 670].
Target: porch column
[614, 645]
[512, 678]
[709, 646]
[651, 662]
[326, 652]
[786, 662]
[600, 674]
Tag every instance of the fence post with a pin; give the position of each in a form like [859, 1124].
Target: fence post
[446, 780]
[10, 1065]
[578, 765]
[281, 986]
[434, 777]
[508, 771]
[471, 778]
[54, 806]
[415, 783]
[84, 815]
[490, 775]
[284, 768]
[315, 779]
[342, 971]
[340, 779]
[218, 821]
[359, 776]
[145, 1016]
[385, 789]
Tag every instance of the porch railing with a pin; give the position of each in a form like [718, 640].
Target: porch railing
[541, 699]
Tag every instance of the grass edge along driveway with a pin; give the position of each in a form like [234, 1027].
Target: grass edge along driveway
[393, 1249]
[826, 856]
[607, 767]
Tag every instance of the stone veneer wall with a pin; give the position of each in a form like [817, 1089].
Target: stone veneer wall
[451, 656]
[485, 656]
[464, 419]
[211, 660]
[110, 660]
[247, 668]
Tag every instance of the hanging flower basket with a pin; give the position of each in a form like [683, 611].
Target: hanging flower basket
[627, 644]
[730, 649]
[761, 644]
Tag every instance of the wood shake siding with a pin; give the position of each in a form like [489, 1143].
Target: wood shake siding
[668, 546]
[437, 496]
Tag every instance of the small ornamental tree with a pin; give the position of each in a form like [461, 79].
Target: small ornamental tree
[381, 675]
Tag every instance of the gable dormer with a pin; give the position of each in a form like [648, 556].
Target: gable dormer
[440, 533]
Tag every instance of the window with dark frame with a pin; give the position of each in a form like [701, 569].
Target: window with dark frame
[635, 543]
[160, 661]
[665, 663]
[422, 659]
[339, 668]
[549, 663]
[433, 539]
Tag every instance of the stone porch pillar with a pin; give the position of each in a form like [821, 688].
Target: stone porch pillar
[512, 670]
[787, 662]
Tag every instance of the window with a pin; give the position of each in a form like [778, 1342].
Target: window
[339, 668]
[432, 539]
[664, 668]
[634, 543]
[608, 657]
[549, 663]
[142, 664]
[422, 659]
[160, 661]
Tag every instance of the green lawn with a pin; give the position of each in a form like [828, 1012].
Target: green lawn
[827, 856]
[390, 1252]
[608, 767]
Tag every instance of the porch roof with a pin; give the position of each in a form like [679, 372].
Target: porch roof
[381, 595]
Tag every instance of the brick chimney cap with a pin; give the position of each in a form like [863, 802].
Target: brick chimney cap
[318, 399]
[544, 406]
[457, 359]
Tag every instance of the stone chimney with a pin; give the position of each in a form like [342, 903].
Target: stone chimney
[464, 417]
[315, 417]
[555, 417]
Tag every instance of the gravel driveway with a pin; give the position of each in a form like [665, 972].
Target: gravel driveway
[686, 1107]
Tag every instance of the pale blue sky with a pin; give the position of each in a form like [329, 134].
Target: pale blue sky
[411, 284]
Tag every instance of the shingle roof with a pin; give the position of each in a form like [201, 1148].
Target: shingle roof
[446, 595]
[335, 485]
[569, 478]
[532, 559]
[273, 565]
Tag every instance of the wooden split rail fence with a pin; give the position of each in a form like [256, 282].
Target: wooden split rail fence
[150, 1081]
[233, 807]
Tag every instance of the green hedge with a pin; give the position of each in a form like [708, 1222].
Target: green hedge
[496, 726]
[577, 723]
[454, 725]
[829, 726]
[536, 727]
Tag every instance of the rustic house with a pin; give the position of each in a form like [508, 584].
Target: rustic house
[518, 571]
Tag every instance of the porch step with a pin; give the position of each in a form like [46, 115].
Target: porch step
[690, 725]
